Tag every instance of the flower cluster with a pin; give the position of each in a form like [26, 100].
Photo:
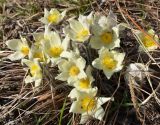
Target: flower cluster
[96, 31]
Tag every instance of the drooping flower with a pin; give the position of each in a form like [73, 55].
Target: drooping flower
[54, 47]
[35, 71]
[20, 46]
[109, 61]
[105, 32]
[52, 17]
[72, 69]
[148, 40]
[78, 30]
[87, 104]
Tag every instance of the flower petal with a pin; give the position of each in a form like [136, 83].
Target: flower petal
[14, 44]
[95, 42]
[63, 14]
[37, 82]
[29, 79]
[73, 94]
[108, 73]
[46, 12]
[81, 63]
[102, 100]
[62, 76]
[99, 114]
[84, 118]
[56, 39]
[75, 25]
[38, 37]
[76, 107]
[27, 62]
[65, 42]
[70, 33]
[16, 56]
[96, 63]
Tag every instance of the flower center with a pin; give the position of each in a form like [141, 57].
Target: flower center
[106, 37]
[148, 42]
[33, 69]
[88, 103]
[109, 63]
[38, 55]
[53, 18]
[74, 71]
[55, 51]
[25, 50]
[84, 83]
[82, 34]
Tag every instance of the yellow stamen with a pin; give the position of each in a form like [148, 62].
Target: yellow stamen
[82, 34]
[84, 83]
[54, 18]
[109, 63]
[34, 69]
[25, 50]
[55, 51]
[88, 103]
[148, 42]
[106, 37]
[38, 55]
[74, 71]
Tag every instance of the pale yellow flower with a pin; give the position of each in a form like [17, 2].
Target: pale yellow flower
[52, 17]
[86, 20]
[87, 104]
[77, 31]
[35, 71]
[43, 37]
[109, 61]
[54, 47]
[20, 46]
[148, 41]
[36, 52]
[84, 84]
[72, 70]
[105, 32]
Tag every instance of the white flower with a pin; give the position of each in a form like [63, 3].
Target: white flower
[105, 32]
[148, 41]
[71, 55]
[37, 52]
[71, 70]
[84, 84]
[78, 31]
[52, 17]
[109, 61]
[35, 72]
[20, 46]
[42, 37]
[87, 104]
[86, 20]
[54, 47]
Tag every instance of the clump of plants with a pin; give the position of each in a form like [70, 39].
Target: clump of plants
[86, 45]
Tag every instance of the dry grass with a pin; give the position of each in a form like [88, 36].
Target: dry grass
[19, 104]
